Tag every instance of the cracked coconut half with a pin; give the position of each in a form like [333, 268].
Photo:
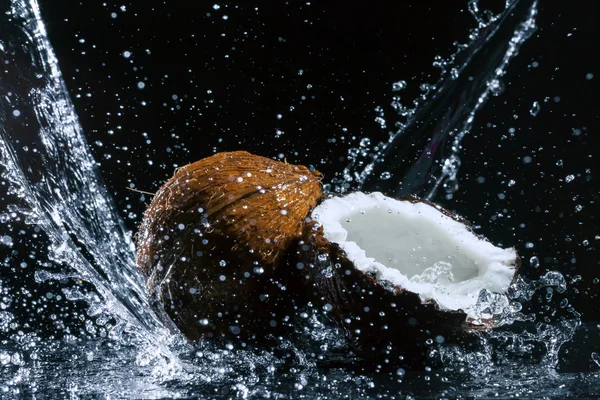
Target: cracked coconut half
[418, 247]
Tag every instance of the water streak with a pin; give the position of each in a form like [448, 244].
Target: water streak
[423, 155]
[53, 179]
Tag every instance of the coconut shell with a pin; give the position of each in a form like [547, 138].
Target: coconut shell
[212, 240]
[384, 324]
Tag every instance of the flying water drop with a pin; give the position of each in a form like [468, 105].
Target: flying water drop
[535, 109]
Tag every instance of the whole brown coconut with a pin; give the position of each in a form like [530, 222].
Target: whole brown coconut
[212, 240]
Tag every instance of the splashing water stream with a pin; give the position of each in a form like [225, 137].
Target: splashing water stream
[423, 154]
[52, 173]
[109, 342]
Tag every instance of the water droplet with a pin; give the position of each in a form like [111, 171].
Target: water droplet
[365, 142]
[385, 175]
[534, 262]
[397, 86]
[569, 178]
[449, 173]
[496, 86]
[535, 108]
[258, 270]
[6, 240]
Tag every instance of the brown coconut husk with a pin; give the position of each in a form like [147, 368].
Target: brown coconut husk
[384, 324]
[212, 241]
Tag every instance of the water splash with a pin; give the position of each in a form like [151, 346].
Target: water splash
[78, 251]
[84, 276]
[57, 196]
[423, 154]
[519, 340]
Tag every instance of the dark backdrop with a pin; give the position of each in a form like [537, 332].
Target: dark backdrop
[161, 84]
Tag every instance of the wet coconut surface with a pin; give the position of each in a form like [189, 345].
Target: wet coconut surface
[386, 323]
[212, 241]
[235, 230]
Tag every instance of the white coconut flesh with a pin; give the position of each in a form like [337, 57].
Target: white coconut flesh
[417, 247]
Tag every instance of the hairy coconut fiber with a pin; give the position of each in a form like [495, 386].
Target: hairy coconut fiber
[384, 324]
[212, 239]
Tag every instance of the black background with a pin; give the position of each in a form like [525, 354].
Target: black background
[214, 84]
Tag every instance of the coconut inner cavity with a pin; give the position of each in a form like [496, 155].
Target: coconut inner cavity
[417, 247]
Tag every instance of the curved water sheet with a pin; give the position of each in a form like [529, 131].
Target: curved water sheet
[422, 155]
[68, 268]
